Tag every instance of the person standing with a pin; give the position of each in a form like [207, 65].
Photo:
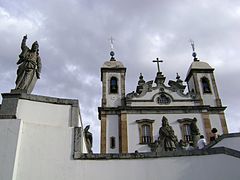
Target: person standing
[213, 135]
[201, 142]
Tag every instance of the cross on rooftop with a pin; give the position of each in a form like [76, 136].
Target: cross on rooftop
[158, 61]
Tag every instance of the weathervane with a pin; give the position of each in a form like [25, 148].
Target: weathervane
[194, 54]
[111, 42]
[112, 52]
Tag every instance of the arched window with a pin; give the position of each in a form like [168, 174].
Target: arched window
[206, 85]
[163, 99]
[113, 85]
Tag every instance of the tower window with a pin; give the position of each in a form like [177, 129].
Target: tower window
[113, 85]
[205, 85]
[112, 142]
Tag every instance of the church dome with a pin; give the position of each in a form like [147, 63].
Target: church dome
[198, 65]
[113, 64]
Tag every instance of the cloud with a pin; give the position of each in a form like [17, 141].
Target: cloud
[74, 43]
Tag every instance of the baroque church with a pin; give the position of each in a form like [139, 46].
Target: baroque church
[43, 137]
[131, 121]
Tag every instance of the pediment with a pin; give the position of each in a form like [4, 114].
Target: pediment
[159, 95]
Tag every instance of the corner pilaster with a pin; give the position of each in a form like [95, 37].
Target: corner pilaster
[123, 138]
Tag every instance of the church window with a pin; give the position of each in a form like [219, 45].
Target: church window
[145, 131]
[186, 133]
[113, 85]
[112, 142]
[188, 128]
[205, 85]
[146, 135]
[163, 99]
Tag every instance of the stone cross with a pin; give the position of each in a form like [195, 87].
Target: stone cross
[158, 61]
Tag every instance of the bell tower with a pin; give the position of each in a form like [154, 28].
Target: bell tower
[113, 93]
[201, 82]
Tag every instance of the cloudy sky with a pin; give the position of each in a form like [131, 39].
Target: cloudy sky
[74, 43]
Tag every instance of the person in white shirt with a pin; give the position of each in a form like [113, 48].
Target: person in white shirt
[201, 142]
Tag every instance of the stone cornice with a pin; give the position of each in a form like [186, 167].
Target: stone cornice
[38, 98]
[197, 71]
[180, 153]
[163, 108]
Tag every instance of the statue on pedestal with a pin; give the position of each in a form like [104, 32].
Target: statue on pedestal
[167, 140]
[194, 132]
[88, 138]
[29, 67]
[166, 136]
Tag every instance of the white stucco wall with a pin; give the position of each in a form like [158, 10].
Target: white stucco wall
[191, 84]
[9, 132]
[216, 123]
[232, 143]
[45, 153]
[112, 131]
[133, 131]
[215, 167]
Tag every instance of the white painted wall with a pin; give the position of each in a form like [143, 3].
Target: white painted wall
[133, 131]
[191, 84]
[45, 153]
[9, 132]
[175, 168]
[232, 143]
[112, 130]
[216, 123]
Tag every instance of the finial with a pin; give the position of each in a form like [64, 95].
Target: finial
[112, 52]
[178, 77]
[194, 54]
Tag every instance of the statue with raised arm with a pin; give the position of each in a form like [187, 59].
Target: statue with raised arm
[29, 67]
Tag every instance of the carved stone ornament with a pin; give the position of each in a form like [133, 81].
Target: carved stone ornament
[163, 99]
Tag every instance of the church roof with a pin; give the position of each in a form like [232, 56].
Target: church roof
[198, 65]
[113, 64]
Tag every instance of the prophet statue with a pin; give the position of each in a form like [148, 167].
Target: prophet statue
[167, 138]
[29, 68]
[88, 138]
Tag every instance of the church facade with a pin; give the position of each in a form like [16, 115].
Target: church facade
[130, 122]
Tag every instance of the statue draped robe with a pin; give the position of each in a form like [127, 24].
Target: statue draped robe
[29, 69]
